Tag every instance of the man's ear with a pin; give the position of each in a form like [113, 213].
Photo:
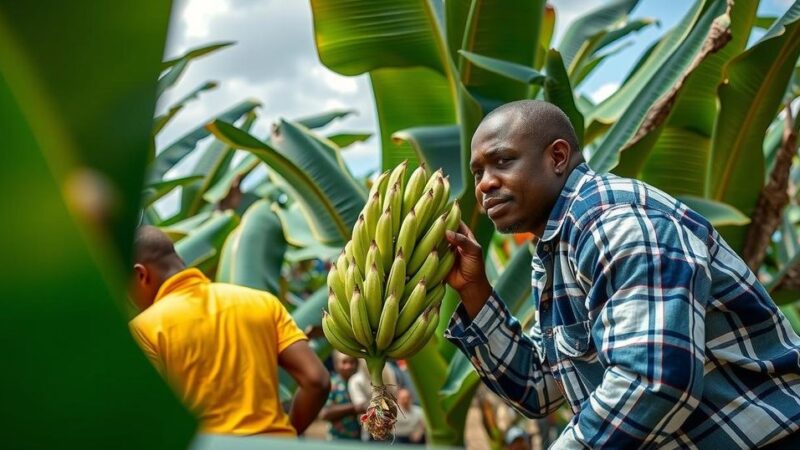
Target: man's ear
[560, 153]
[141, 273]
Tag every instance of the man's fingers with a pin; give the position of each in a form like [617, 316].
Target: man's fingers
[463, 243]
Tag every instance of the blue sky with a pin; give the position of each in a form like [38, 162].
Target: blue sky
[275, 61]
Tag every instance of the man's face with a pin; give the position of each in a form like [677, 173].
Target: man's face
[515, 180]
[345, 365]
[404, 398]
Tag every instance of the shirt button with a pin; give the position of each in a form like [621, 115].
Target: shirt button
[548, 332]
[546, 247]
[545, 306]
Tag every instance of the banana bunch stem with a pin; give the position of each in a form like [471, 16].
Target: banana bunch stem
[381, 414]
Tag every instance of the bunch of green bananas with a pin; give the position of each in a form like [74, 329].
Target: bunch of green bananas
[388, 283]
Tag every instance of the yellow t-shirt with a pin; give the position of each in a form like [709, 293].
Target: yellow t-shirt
[218, 345]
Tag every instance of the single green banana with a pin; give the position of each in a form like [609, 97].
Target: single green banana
[424, 209]
[438, 196]
[408, 234]
[414, 189]
[411, 308]
[360, 243]
[340, 317]
[397, 276]
[387, 324]
[359, 321]
[391, 203]
[385, 238]
[374, 257]
[445, 196]
[379, 185]
[432, 322]
[434, 296]
[430, 241]
[337, 286]
[445, 264]
[348, 252]
[398, 176]
[402, 345]
[337, 341]
[373, 295]
[372, 211]
[425, 272]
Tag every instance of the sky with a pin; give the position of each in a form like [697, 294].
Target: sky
[275, 61]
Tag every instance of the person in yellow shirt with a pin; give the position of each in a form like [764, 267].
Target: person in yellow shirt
[220, 345]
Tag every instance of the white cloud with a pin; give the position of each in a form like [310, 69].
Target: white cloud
[604, 91]
[197, 15]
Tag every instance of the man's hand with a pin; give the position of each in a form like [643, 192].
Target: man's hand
[468, 275]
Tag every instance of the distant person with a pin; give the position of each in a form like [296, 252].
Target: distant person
[340, 411]
[410, 426]
[220, 345]
[517, 439]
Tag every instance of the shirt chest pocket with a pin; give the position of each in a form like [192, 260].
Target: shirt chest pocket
[577, 355]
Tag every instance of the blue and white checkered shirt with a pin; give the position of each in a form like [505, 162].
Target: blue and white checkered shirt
[648, 324]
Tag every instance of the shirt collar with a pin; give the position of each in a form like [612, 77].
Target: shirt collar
[572, 187]
[181, 280]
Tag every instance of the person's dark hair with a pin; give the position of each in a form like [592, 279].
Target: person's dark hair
[153, 247]
[541, 121]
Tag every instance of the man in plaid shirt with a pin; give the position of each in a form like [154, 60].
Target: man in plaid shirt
[647, 324]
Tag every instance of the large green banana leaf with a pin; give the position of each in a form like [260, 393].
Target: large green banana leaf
[440, 148]
[557, 90]
[753, 91]
[254, 255]
[214, 164]
[153, 192]
[358, 36]
[408, 98]
[330, 200]
[686, 134]
[72, 376]
[175, 152]
[611, 109]
[222, 187]
[323, 119]
[671, 70]
[517, 42]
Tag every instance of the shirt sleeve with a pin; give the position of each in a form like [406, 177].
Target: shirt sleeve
[647, 278]
[507, 360]
[147, 347]
[288, 331]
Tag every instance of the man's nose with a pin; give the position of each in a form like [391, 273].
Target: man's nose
[488, 183]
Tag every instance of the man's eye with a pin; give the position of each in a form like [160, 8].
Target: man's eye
[503, 161]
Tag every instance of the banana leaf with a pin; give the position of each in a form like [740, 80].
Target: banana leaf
[175, 152]
[756, 82]
[175, 67]
[362, 35]
[256, 251]
[161, 121]
[611, 109]
[66, 98]
[581, 30]
[606, 156]
[344, 140]
[557, 90]
[222, 186]
[508, 33]
[155, 191]
[408, 98]
[686, 133]
[440, 148]
[329, 199]
[719, 214]
[201, 247]
[321, 120]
